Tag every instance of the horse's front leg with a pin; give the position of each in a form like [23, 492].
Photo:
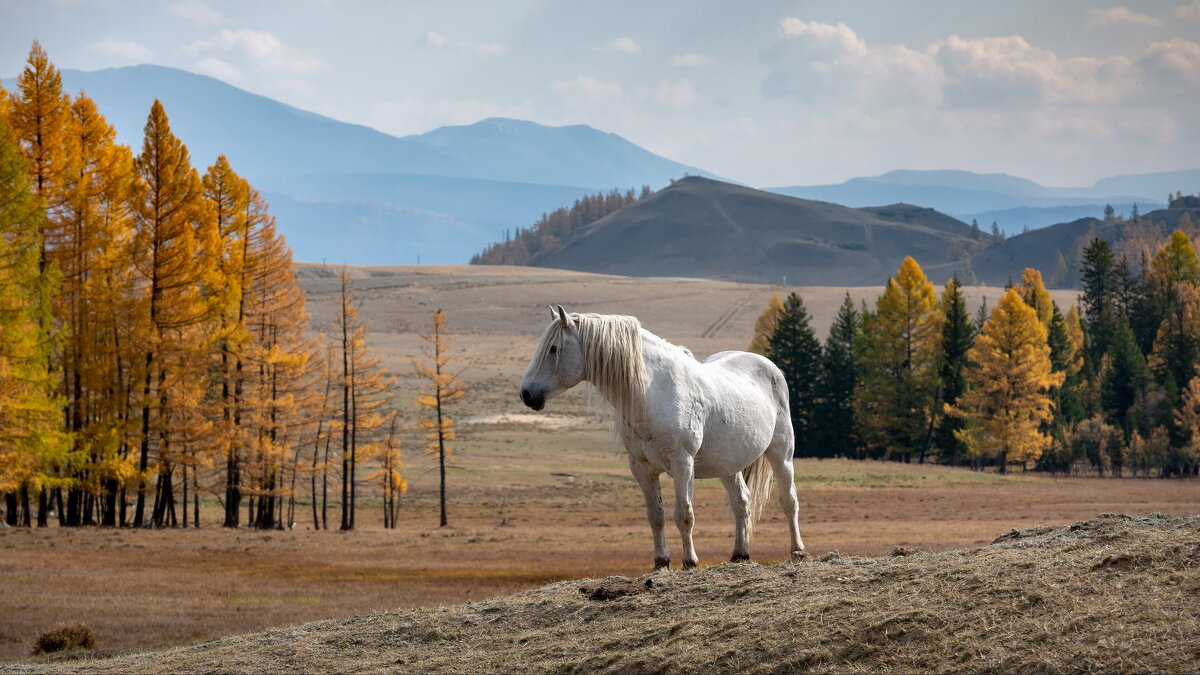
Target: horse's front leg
[739, 505]
[648, 479]
[684, 474]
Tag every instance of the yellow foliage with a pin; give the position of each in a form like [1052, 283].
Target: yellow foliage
[1008, 402]
[765, 325]
[1034, 293]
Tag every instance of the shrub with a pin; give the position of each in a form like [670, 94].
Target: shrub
[68, 636]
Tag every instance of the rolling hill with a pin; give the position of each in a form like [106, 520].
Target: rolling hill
[1010, 201]
[1039, 248]
[699, 227]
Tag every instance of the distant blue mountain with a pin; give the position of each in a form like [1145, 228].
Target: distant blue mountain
[1011, 201]
[464, 184]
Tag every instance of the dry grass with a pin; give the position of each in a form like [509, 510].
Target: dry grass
[1112, 594]
[514, 527]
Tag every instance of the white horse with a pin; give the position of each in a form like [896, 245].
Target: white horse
[724, 418]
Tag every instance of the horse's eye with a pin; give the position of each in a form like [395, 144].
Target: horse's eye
[553, 349]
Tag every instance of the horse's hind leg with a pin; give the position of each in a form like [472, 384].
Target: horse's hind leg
[647, 479]
[739, 505]
[779, 454]
[684, 475]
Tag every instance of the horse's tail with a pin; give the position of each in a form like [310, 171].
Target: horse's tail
[758, 479]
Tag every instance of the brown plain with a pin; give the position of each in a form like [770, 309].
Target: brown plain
[533, 498]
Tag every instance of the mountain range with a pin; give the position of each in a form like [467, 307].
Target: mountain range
[348, 193]
[1013, 203]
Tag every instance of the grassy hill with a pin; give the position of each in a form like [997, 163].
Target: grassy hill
[1039, 248]
[699, 227]
[1116, 593]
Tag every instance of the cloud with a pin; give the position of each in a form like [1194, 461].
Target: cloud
[489, 49]
[1189, 11]
[815, 61]
[196, 12]
[434, 39]
[214, 67]
[1008, 71]
[1120, 16]
[1173, 65]
[262, 50]
[693, 60]
[624, 45]
[122, 50]
[678, 94]
[588, 87]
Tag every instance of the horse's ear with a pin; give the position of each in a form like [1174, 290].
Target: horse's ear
[553, 313]
[562, 315]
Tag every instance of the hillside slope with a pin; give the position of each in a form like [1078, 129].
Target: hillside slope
[704, 228]
[1039, 248]
[1112, 594]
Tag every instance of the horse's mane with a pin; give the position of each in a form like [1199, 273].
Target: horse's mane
[612, 359]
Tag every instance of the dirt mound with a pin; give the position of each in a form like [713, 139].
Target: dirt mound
[1116, 593]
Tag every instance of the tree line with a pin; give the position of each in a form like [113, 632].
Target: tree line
[1111, 386]
[153, 339]
[525, 245]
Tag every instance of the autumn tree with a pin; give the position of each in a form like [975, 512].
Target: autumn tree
[1008, 400]
[765, 325]
[390, 477]
[794, 348]
[1034, 293]
[174, 248]
[442, 388]
[365, 391]
[94, 309]
[34, 449]
[900, 365]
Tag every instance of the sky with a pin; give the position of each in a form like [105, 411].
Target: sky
[768, 93]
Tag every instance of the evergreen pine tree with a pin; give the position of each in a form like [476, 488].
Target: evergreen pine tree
[795, 349]
[958, 334]
[834, 433]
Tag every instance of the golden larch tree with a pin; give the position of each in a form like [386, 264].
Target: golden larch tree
[764, 326]
[896, 396]
[390, 477]
[442, 388]
[93, 257]
[1075, 336]
[1008, 402]
[174, 249]
[1034, 293]
[34, 449]
[366, 389]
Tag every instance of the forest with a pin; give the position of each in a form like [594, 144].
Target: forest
[1112, 389]
[154, 345]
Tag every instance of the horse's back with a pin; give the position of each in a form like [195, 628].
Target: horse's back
[747, 372]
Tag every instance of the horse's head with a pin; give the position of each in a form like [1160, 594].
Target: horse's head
[557, 363]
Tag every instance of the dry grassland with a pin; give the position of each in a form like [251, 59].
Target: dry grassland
[534, 498]
[1114, 594]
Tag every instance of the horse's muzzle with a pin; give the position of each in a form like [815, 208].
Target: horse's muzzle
[537, 402]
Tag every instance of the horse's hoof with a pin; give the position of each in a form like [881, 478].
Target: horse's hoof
[689, 565]
[662, 564]
[740, 558]
[798, 556]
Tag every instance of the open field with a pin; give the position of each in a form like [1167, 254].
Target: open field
[1112, 594]
[514, 526]
[534, 498]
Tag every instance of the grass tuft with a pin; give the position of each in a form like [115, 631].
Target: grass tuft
[65, 637]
